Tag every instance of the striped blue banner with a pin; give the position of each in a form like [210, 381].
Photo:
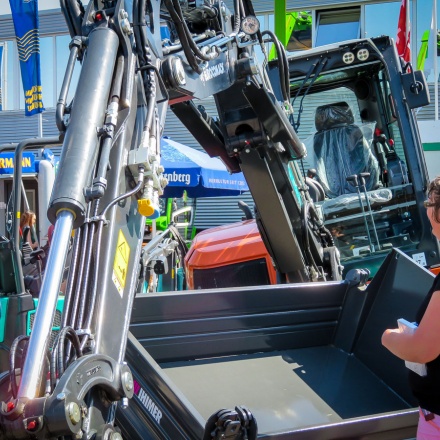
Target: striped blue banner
[26, 25]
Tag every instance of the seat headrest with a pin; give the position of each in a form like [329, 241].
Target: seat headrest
[333, 115]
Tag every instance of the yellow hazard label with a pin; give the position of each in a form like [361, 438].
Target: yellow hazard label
[120, 264]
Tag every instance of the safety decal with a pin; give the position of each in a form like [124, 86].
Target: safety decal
[120, 264]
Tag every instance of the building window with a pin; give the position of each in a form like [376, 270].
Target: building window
[54, 54]
[337, 25]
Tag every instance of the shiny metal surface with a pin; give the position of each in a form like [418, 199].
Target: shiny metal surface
[46, 307]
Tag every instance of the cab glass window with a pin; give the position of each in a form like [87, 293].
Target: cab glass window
[337, 25]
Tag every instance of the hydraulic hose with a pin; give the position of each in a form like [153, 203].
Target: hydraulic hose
[183, 37]
[283, 65]
[71, 280]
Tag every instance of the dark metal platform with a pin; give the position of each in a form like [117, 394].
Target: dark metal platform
[286, 390]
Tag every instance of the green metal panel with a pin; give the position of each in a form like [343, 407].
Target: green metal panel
[57, 319]
[3, 314]
[431, 146]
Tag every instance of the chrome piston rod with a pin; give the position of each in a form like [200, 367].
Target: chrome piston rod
[50, 289]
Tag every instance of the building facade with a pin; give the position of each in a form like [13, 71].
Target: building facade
[330, 21]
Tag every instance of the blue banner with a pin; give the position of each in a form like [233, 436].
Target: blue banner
[1, 68]
[25, 18]
[7, 163]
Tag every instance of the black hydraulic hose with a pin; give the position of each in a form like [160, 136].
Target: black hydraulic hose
[183, 37]
[281, 60]
[84, 244]
[159, 78]
[149, 83]
[94, 286]
[57, 359]
[83, 295]
[104, 157]
[237, 12]
[138, 24]
[53, 363]
[151, 96]
[77, 12]
[128, 194]
[61, 103]
[71, 280]
[70, 334]
[191, 42]
[67, 18]
[12, 355]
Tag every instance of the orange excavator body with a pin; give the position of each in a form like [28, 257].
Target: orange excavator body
[227, 255]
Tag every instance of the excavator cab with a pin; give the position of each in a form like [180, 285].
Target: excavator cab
[349, 106]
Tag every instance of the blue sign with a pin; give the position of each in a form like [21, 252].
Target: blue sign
[25, 18]
[7, 163]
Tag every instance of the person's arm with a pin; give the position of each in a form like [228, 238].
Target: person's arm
[28, 238]
[424, 344]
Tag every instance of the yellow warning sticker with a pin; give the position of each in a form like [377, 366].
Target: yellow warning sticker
[120, 264]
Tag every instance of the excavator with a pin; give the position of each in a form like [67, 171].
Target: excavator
[116, 363]
[368, 173]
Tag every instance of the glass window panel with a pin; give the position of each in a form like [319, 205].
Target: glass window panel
[47, 70]
[12, 77]
[382, 19]
[339, 25]
[62, 54]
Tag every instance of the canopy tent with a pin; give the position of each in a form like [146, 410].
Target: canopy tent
[197, 173]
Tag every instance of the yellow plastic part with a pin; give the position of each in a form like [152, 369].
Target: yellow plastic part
[145, 207]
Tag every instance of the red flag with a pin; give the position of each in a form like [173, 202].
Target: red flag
[403, 32]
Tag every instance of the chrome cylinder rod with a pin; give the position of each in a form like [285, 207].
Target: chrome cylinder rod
[32, 370]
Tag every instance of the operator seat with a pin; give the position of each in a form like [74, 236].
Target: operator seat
[341, 150]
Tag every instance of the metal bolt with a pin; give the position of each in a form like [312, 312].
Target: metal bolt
[127, 380]
[79, 434]
[126, 26]
[74, 413]
[61, 396]
[115, 436]
[124, 403]
[178, 71]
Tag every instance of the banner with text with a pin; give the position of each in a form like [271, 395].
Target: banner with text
[26, 25]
